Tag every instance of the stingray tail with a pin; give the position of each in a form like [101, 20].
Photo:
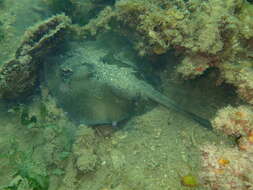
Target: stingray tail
[170, 104]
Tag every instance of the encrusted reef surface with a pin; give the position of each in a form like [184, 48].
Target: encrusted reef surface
[19, 75]
[208, 34]
[225, 167]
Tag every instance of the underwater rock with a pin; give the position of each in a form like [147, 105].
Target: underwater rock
[83, 149]
[87, 161]
[237, 122]
[39, 39]
[242, 78]
[19, 75]
[234, 121]
[221, 38]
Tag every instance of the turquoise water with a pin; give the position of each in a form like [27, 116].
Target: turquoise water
[119, 94]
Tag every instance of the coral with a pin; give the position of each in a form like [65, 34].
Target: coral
[19, 75]
[246, 143]
[226, 168]
[166, 24]
[237, 121]
[209, 33]
[246, 20]
[192, 66]
[241, 77]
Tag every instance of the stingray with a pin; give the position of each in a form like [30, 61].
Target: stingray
[97, 91]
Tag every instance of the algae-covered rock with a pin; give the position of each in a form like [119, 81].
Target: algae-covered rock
[217, 32]
[226, 168]
[19, 75]
[84, 149]
[87, 161]
[38, 39]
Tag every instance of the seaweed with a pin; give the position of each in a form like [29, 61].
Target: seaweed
[32, 181]
[29, 174]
